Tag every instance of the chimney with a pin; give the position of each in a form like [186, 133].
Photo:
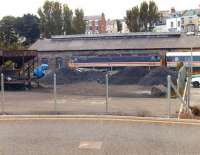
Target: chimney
[173, 10]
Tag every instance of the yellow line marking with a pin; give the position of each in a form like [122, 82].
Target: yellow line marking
[164, 122]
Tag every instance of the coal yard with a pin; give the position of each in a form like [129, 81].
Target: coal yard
[129, 75]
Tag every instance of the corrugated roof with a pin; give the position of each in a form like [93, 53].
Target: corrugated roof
[117, 41]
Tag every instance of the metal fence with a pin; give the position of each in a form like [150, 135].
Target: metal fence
[124, 99]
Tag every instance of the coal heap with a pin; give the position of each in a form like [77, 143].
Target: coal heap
[158, 76]
[129, 75]
[67, 76]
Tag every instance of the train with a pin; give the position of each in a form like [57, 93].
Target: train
[116, 60]
[129, 60]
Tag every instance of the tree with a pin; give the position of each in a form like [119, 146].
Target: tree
[46, 20]
[144, 16]
[28, 27]
[78, 22]
[153, 14]
[57, 20]
[142, 19]
[132, 19]
[67, 16]
[119, 26]
[8, 35]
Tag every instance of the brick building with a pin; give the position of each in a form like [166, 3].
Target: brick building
[58, 51]
[95, 24]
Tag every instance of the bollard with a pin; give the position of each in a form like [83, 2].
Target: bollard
[2, 94]
[168, 95]
[106, 92]
[55, 93]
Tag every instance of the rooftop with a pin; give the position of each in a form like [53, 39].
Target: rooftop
[117, 42]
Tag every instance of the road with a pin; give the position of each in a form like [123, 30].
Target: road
[100, 137]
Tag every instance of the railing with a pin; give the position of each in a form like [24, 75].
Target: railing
[185, 99]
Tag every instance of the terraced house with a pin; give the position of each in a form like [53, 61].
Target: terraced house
[190, 21]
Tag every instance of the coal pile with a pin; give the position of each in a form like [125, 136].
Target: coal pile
[158, 76]
[129, 75]
[67, 76]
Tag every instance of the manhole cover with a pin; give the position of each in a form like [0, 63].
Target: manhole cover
[90, 145]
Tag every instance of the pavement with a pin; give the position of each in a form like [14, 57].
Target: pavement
[102, 135]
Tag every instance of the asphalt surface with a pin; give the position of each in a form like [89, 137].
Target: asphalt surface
[65, 137]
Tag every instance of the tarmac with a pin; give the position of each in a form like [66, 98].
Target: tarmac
[97, 135]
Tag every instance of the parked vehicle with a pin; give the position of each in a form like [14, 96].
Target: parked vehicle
[196, 80]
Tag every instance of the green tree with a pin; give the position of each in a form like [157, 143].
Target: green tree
[78, 22]
[67, 16]
[8, 35]
[28, 27]
[119, 26]
[144, 16]
[57, 20]
[46, 20]
[153, 14]
[132, 19]
[142, 19]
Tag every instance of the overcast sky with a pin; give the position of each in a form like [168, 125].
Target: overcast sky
[111, 8]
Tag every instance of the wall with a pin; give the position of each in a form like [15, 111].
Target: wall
[189, 23]
[176, 24]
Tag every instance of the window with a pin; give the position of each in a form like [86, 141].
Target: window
[172, 24]
[96, 22]
[59, 62]
[97, 28]
[182, 21]
[179, 23]
[190, 20]
[44, 61]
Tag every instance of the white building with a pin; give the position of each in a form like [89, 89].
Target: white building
[174, 24]
[160, 28]
[124, 27]
[111, 26]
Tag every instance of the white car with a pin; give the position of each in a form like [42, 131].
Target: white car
[196, 80]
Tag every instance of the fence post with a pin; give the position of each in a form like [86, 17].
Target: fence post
[2, 94]
[168, 95]
[55, 93]
[107, 92]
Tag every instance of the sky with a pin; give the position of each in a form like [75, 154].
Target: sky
[112, 8]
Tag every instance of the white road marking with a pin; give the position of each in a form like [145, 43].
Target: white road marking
[96, 145]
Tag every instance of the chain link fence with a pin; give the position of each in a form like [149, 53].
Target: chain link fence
[99, 97]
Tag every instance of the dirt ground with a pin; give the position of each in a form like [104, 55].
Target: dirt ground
[89, 98]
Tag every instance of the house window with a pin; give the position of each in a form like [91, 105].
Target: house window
[44, 61]
[59, 62]
[97, 28]
[179, 23]
[172, 24]
[96, 22]
[182, 29]
[190, 20]
[182, 21]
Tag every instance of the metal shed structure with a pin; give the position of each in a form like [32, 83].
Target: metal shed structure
[17, 66]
